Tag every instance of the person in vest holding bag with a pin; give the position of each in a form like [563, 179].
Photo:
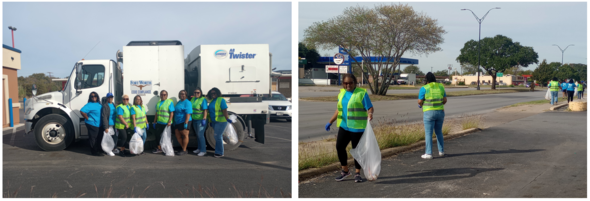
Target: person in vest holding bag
[580, 89]
[140, 117]
[182, 117]
[354, 109]
[123, 122]
[199, 116]
[218, 117]
[164, 113]
[432, 99]
[554, 87]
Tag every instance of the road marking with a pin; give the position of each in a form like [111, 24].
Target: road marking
[279, 138]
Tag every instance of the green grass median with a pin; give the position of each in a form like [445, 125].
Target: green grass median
[415, 95]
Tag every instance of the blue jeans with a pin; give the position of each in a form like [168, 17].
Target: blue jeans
[200, 132]
[219, 127]
[144, 134]
[433, 120]
[554, 96]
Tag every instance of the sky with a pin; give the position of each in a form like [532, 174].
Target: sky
[54, 36]
[535, 24]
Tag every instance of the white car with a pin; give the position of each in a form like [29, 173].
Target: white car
[279, 106]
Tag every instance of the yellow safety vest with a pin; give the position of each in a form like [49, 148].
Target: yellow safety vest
[163, 112]
[433, 97]
[126, 116]
[140, 116]
[197, 110]
[356, 114]
[219, 117]
[554, 86]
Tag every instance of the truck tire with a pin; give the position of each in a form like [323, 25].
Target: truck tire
[210, 137]
[54, 132]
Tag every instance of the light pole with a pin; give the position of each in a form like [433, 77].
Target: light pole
[479, 40]
[12, 29]
[562, 51]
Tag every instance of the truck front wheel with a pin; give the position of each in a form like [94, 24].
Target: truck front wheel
[54, 132]
[227, 145]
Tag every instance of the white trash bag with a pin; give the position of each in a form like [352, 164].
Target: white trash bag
[548, 95]
[230, 134]
[367, 154]
[166, 142]
[108, 144]
[136, 142]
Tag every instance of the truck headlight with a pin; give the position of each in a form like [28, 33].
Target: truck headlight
[289, 107]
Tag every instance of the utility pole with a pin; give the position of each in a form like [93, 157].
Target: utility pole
[49, 73]
[12, 29]
[562, 51]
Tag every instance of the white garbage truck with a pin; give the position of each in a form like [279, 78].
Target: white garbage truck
[242, 72]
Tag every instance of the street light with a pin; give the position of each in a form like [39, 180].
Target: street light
[12, 29]
[562, 51]
[479, 40]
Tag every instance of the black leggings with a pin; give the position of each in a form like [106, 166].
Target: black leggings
[159, 130]
[344, 137]
[570, 96]
[123, 137]
[94, 138]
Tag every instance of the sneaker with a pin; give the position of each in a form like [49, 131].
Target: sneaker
[122, 153]
[180, 153]
[196, 151]
[201, 154]
[441, 154]
[115, 151]
[157, 151]
[357, 178]
[343, 175]
[218, 155]
[427, 156]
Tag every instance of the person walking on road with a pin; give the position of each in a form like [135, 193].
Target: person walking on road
[91, 113]
[554, 87]
[182, 117]
[580, 89]
[125, 116]
[564, 88]
[570, 90]
[219, 118]
[140, 116]
[354, 110]
[199, 116]
[108, 116]
[164, 112]
[432, 99]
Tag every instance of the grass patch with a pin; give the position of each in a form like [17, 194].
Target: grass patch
[536, 102]
[471, 122]
[415, 95]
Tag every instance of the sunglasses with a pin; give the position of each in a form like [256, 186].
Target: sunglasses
[164, 94]
[197, 92]
[93, 96]
[347, 83]
[125, 99]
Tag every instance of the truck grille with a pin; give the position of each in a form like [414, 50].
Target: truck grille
[280, 108]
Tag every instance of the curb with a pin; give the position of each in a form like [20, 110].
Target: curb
[558, 106]
[17, 127]
[312, 172]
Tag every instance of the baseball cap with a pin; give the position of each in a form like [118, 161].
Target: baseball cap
[109, 95]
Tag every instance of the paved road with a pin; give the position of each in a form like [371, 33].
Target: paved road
[313, 116]
[244, 172]
[333, 91]
[538, 156]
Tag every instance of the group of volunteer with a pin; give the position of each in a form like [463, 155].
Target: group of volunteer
[355, 110]
[128, 119]
[568, 88]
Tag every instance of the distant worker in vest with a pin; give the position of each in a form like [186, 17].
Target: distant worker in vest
[91, 113]
[570, 90]
[163, 118]
[123, 123]
[218, 117]
[140, 117]
[580, 89]
[564, 88]
[432, 98]
[108, 116]
[199, 117]
[354, 109]
[554, 87]
[583, 88]
[182, 118]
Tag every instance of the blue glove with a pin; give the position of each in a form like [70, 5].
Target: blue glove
[137, 129]
[419, 106]
[328, 126]
[147, 128]
[185, 125]
[230, 121]
[204, 123]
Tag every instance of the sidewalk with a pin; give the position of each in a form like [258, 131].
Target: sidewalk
[539, 156]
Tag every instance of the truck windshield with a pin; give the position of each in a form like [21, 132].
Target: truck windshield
[69, 78]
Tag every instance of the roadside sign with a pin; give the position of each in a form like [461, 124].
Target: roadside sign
[346, 60]
[331, 69]
[499, 74]
[343, 69]
[338, 58]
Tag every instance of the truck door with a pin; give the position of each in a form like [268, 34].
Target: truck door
[93, 79]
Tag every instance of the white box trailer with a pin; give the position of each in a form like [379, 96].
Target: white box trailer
[149, 67]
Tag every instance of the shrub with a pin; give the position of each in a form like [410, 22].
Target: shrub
[461, 83]
[511, 85]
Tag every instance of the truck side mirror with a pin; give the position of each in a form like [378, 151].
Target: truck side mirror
[79, 71]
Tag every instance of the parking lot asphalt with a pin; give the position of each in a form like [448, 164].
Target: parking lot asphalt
[252, 170]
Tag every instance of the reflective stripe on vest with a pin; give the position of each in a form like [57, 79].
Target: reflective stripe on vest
[197, 109]
[126, 116]
[219, 117]
[162, 111]
[356, 114]
[554, 86]
[433, 97]
[140, 118]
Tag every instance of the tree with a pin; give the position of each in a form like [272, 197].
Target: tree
[468, 69]
[581, 70]
[441, 73]
[567, 72]
[385, 32]
[544, 73]
[413, 69]
[44, 85]
[497, 55]
[310, 54]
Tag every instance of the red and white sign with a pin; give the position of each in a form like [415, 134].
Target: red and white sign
[331, 69]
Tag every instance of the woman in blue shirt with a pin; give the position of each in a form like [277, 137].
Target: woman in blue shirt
[346, 133]
[91, 113]
[107, 117]
[570, 90]
[182, 115]
[219, 118]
